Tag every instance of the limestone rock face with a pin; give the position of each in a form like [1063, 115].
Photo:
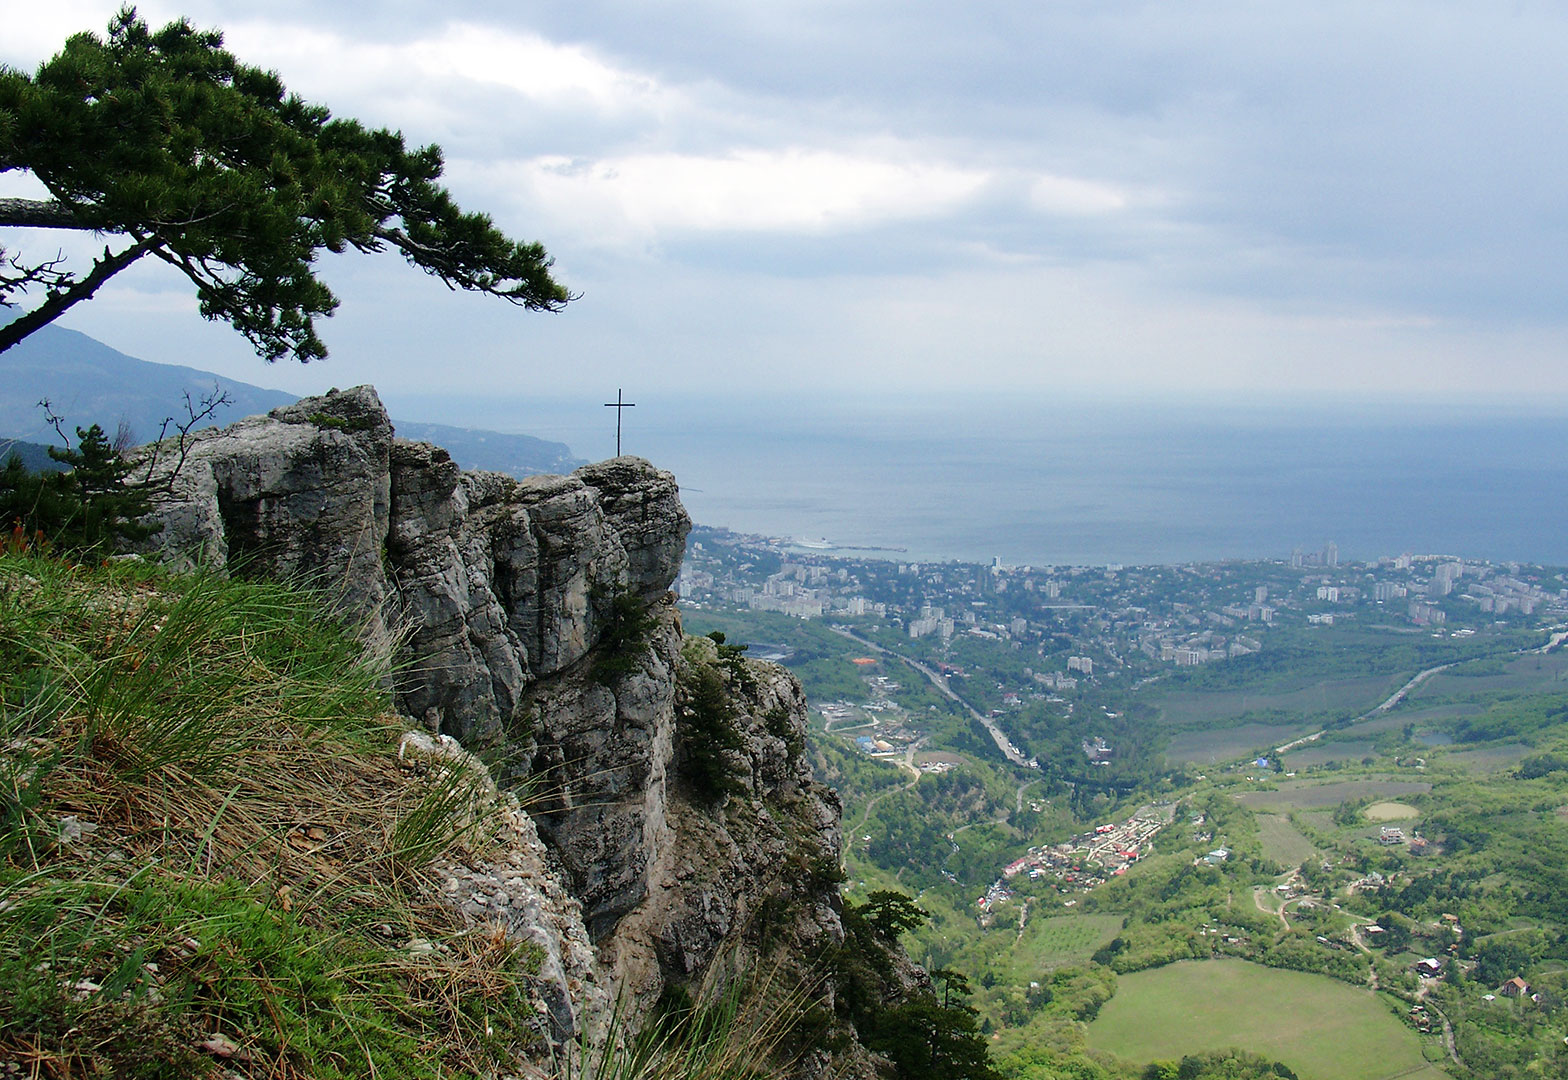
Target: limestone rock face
[646, 513]
[489, 582]
[302, 493]
[512, 888]
[532, 619]
[750, 872]
[598, 772]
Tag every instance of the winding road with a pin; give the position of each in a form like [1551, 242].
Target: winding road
[908, 765]
[1388, 703]
[1557, 638]
[1003, 743]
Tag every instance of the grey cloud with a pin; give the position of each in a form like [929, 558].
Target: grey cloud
[1402, 158]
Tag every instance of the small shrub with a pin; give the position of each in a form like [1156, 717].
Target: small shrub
[623, 642]
[341, 423]
[705, 731]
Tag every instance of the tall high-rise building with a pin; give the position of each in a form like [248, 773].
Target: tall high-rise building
[1331, 554]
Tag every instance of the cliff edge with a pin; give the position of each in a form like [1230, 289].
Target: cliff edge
[668, 834]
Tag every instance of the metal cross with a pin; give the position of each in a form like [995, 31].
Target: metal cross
[618, 405]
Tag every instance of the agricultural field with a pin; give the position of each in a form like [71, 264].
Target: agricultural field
[1321, 753]
[1228, 744]
[1487, 759]
[1421, 716]
[1391, 811]
[1349, 697]
[1061, 940]
[1389, 721]
[1282, 841]
[1321, 1028]
[1531, 674]
[1314, 795]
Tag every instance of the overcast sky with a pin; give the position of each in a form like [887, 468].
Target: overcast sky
[1362, 200]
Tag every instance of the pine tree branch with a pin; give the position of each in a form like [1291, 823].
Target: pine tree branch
[38, 214]
[63, 300]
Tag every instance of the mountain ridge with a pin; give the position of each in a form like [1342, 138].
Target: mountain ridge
[87, 382]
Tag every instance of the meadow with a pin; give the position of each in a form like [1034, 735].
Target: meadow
[1282, 842]
[1309, 794]
[1323, 752]
[1228, 744]
[1487, 759]
[1321, 1028]
[1391, 811]
[1529, 674]
[1060, 940]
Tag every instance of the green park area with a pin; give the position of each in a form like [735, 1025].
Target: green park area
[1321, 1028]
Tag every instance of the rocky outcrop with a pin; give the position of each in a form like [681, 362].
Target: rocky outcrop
[514, 888]
[531, 620]
[303, 493]
[751, 861]
[595, 753]
[485, 582]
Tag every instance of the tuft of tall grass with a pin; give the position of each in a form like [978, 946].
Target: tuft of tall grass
[209, 852]
[192, 672]
[742, 1030]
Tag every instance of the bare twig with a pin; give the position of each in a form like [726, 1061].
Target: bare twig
[16, 276]
[202, 408]
[55, 421]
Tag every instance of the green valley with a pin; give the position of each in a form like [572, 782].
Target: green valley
[1358, 866]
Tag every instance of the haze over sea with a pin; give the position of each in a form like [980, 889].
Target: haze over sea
[1080, 483]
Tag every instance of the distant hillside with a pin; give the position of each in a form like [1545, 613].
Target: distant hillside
[88, 382]
[472, 448]
[35, 456]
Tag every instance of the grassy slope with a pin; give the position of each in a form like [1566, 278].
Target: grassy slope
[215, 856]
[208, 851]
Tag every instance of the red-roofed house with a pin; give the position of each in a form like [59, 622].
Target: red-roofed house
[1514, 987]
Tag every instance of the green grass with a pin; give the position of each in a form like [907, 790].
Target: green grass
[1049, 943]
[1282, 842]
[1321, 1028]
[252, 860]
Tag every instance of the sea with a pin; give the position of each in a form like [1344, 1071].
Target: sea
[1085, 482]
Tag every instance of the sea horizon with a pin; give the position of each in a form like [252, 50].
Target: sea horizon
[1074, 482]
